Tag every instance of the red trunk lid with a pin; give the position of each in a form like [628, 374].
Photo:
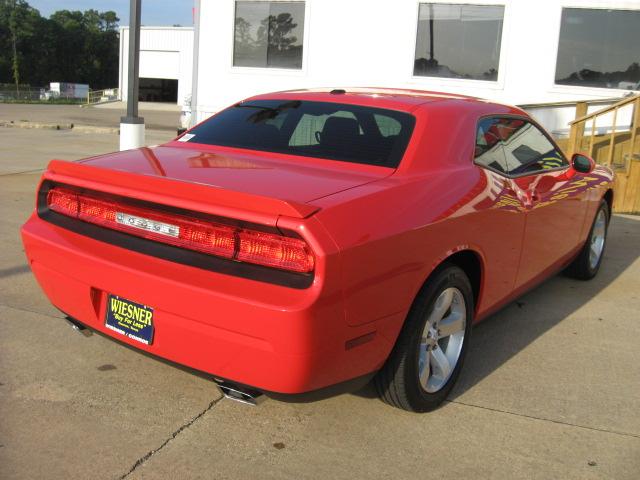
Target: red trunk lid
[263, 174]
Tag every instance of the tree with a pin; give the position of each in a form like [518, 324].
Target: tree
[17, 28]
[13, 28]
[70, 46]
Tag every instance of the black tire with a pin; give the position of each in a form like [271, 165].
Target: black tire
[398, 381]
[581, 267]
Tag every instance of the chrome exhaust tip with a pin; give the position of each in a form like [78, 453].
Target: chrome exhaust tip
[247, 396]
[78, 327]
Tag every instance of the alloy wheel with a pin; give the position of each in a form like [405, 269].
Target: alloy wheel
[597, 239]
[442, 340]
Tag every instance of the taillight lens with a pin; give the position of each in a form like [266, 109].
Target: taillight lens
[62, 201]
[239, 244]
[275, 251]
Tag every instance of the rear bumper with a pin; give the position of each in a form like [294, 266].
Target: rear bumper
[274, 338]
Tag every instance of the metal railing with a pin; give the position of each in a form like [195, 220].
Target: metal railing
[103, 96]
[41, 95]
[24, 94]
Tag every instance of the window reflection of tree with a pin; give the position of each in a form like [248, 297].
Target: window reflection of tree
[242, 34]
[432, 67]
[274, 36]
[594, 78]
[276, 33]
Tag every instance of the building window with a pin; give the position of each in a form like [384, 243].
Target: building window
[458, 41]
[268, 34]
[599, 48]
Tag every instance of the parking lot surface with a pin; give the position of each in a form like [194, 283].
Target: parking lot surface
[156, 116]
[550, 389]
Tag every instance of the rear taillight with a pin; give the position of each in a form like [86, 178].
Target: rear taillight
[240, 244]
[274, 251]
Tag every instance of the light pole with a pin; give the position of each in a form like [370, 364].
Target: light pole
[132, 126]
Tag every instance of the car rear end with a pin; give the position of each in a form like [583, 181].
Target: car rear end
[231, 314]
[184, 264]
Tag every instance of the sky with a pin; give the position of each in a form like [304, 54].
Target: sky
[154, 12]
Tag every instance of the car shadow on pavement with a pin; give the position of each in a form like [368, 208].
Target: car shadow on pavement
[8, 272]
[501, 336]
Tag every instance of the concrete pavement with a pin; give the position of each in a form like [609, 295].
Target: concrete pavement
[30, 150]
[157, 117]
[550, 389]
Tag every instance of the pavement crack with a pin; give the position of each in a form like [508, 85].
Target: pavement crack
[151, 453]
[532, 417]
[26, 310]
[21, 173]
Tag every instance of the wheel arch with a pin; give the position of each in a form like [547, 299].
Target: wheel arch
[608, 197]
[470, 261]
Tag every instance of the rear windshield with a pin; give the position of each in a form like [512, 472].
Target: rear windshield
[335, 131]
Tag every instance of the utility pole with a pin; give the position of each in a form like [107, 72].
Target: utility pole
[132, 126]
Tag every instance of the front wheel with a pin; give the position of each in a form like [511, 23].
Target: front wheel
[428, 355]
[587, 263]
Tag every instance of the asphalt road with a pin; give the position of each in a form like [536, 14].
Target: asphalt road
[551, 387]
[156, 116]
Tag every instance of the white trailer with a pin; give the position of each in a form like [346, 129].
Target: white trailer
[68, 90]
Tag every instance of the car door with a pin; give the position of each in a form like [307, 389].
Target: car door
[535, 171]
[553, 201]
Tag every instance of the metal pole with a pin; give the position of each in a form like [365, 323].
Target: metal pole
[132, 126]
[431, 47]
[196, 56]
[134, 59]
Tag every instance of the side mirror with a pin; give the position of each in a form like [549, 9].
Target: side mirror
[582, 163]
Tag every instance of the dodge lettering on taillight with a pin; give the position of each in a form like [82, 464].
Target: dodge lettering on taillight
[147, 224]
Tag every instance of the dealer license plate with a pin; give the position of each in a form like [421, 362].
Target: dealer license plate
[130, 319]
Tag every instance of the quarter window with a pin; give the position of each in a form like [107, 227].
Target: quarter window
[458, 41]
[513, 146]
[599, 48]
[268, 34]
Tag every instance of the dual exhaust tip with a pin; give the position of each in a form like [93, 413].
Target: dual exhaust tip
[78, 327]
[244, 395]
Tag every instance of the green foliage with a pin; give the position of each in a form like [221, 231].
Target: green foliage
[70, 46]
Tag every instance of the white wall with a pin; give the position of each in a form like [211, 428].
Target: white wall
[372, 43]
[165, 52]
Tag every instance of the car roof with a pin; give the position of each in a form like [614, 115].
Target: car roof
[393, 98]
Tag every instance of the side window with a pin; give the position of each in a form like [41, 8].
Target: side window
[489, 151]
[515, 147]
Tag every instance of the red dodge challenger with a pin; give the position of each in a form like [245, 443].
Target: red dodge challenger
[301, 243]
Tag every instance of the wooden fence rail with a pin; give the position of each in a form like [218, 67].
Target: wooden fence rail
[618, 148]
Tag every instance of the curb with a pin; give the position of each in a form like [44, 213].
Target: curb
[59, 126]
[75, 128]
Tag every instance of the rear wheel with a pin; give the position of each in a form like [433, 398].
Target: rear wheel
[431, 347]
[587, 263]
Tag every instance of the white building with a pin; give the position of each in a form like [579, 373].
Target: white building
[513, 51]
[166, 63]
